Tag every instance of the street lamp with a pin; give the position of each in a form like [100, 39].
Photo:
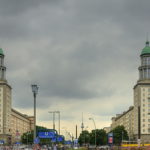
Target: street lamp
[95, 128]
[35, 91]
[58, 119]
[53, 112]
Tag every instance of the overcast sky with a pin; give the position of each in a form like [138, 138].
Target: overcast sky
[83, 54]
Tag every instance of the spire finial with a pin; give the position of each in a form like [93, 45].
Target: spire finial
[147, 41]
[147, 37]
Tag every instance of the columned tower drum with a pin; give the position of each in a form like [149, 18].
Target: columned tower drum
[144, 69]
[5, 102]
[2, 67]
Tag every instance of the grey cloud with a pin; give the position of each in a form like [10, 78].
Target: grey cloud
[74, 50]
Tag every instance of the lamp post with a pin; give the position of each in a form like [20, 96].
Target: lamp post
[122, 135]
[58, 120]
[35, 91]
[95, 128]
[53, 112]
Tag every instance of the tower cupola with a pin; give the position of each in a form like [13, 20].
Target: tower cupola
[1, 51]
[144, 69]
[146, 49]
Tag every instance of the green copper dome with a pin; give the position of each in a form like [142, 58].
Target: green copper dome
[1, 51]
[146, 49]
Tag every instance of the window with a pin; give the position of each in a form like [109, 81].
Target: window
[143, 120]
[149, 130]
[143, 110]
[143, 130]
[144, 105]
[149, 125]
[148, 120]
[143, 125]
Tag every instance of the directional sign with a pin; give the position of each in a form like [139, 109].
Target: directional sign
[54, 139]
[1, 141]
[46, 134]
[60, 138]
[36, 140]
[75, 141]
[68, 142]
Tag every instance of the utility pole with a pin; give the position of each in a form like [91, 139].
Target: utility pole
[58, 112]
[76, 132]
[139, 125]
[82, 125]
[53, 112]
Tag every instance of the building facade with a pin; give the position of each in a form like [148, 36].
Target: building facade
[12, 123]
[137, 119]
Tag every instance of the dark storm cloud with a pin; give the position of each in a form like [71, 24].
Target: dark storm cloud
[73, 49]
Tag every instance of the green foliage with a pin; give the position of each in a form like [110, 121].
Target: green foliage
[101, 137]
[119, 134]
[27, 138]
[84, 137]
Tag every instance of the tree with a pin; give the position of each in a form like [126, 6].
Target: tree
[101, 137]
[119, 134]
[27, 138]
[84, 137]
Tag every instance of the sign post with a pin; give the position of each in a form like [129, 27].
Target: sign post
[110, 139]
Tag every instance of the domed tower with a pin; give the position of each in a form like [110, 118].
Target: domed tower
[144, 69]
[142, 97]
[5, 102]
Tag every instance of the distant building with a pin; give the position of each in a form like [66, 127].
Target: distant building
[12, 123]
[126, 119]
[137, 119]
[107, 129]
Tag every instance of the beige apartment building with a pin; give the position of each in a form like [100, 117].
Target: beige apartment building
[137, 119]
[12, 123]
[20, 123]
[126, 119]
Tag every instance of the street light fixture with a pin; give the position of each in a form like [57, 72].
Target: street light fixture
[95, 128]
[53, 112]
[58, 120]
[35, 91]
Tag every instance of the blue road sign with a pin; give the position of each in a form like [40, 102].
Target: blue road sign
[75, 141]
[36, 140]
[18, 143]
[60, 138]
[68, 142]
[1, 141]
[46, 134]
[54, 139]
